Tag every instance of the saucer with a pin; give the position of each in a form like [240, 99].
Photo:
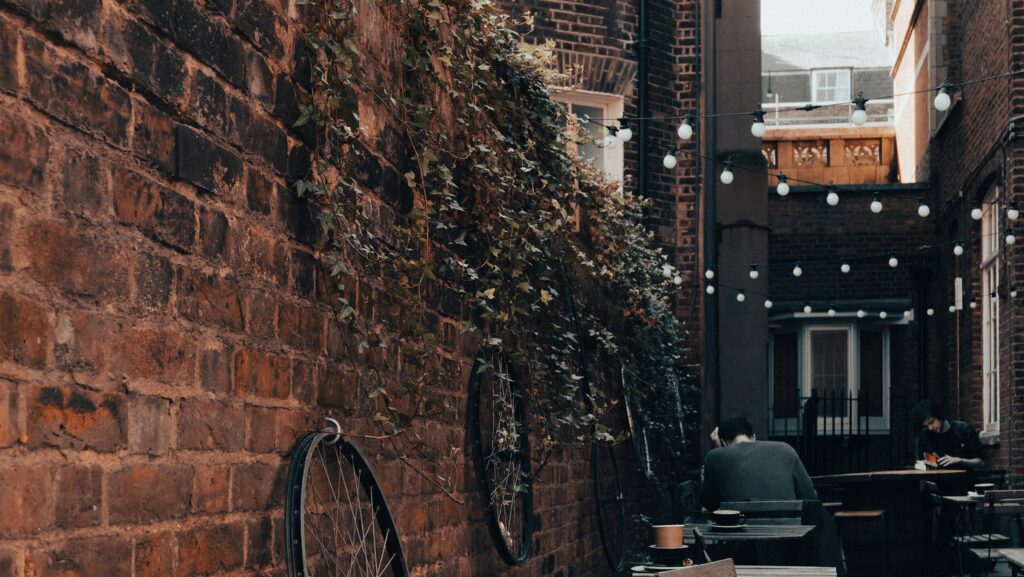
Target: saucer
[656, 548]
[727, 527]
[975, 496]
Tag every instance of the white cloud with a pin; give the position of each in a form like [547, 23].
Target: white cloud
[815, 16]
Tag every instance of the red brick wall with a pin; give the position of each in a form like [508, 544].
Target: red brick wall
[165, 333]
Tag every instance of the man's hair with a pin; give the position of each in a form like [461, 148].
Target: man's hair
[733, 427]
[925, 410]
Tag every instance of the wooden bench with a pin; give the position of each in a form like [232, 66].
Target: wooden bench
[1015, 557]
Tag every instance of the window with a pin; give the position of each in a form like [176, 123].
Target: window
[834, 377]
[991, 239]
[830, 85]
[600, 107]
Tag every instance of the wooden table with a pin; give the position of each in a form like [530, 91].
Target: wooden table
[897, 492]
[754, 533]
[760, 571]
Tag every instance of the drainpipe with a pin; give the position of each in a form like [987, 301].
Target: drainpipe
[712, 381]
[642, 112]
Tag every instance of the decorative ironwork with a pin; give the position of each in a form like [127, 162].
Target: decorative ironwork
[864, 152]
[811, 153]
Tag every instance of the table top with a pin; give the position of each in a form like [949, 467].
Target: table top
[765, 571]
[1015, 556]
[896, 474]
[755, 533]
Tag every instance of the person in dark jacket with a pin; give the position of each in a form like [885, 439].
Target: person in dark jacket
[954, 443]
[741, 468]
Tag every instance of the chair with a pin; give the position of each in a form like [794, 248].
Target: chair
[723, 568]
[845, 518]
[768, 512]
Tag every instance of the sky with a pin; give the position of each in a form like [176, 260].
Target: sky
[814, 16]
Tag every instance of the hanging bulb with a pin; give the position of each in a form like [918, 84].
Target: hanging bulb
[922, 208]
[768, 304]
[930, 312]
[876, 203]
[994, 296]
[611, 139]
[727, 176]
[669, 161]
[942, 99]
[883, 315]
[753, 271]
[710, 289]
[685, 131]
[741, 296]
[907, 313]
[1008, 233]
[958, 249]
[952, 308]
[783, 187]
[677, 280]
[758, 128]
[797, 271]
[1013, 293]
[625, 133]
[807, 309]
[976, 211]
[861, 314]
[831, 312]
[666, 270]
[973, 305]
[832, 198]
[1012, 212]
[860, 115]
[844, 268]
[894, 262]
[709, 274]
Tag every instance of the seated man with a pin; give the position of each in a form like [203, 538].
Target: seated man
[741, 468]
[954, 443]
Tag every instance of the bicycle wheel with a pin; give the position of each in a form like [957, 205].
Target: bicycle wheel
[337, 521]
[501, 454]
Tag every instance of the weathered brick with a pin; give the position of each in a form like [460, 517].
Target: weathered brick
[153, 137]
[265, 256]
[290, 426]
[208, 102]
[211, 549]
[27, 499]
[298, 218]
[76, 418]
[259, 191]
[82, 557]
[210, 426]
[6, 236]
[72, 92]
[8, 46]
[79, 496]
[83, 182]
[157, 211]
[258, 22]
[259, 554]
[261, 314]
[147, 493]
[305, 376]
[339, 389]
[77, 21]
[211, 488]
[154, 555]
[302, 327]
[212, 43]
[143, 57]
[247, 124]
[24, 150]
[208, 298]
[213, 234]
[158, 354]
[149, 425]
[259, 78]
[304, 273]
[154, 280]
[205, 163]
[215, 369]
[25, 332]
[262, 373]
[9, 414]
[81, 264]
[262, 430]
[257, 486]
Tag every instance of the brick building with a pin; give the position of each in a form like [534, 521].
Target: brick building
[165, 330]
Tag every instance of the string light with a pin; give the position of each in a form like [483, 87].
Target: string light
[768, 303]
[677, 280]
[710, 289]
[942, 99]
[753, 271]
[670, 160]
[709, 273]
[860, 115]
[894, 262]
[1012, 212]
[930, 312]
[876, 203]
[994, 296]
[976, 210]
[625, 134]
[952, 308]
[844, 268]
[807, 309]
[1008, 233]
[907, 313]
[685, 131]
[861, 314]
[922, 207]
[958, 249]
[1013, 293]
[883, 315]
[611, 140]
[831, 311]
[727, 176]
[832, 198]
[757, 128]
[973, 305]
[783, 187]
[740, 296]
[797, 271]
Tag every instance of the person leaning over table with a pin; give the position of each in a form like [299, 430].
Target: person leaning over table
[955, 443]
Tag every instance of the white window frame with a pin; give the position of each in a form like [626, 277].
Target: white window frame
[816, 79]
[612, 106]
[991, 262]
[875, 425]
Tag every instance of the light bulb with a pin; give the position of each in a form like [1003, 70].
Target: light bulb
[845, 268]
[797, 271]
[883, 315]
[976, 212]
[942, 100]
[876, 204]
[861, 314]
[894, 262]
[952, 308]
[740, 297]
[768, 304]
[807, 309]
[1012, 212]
[1013, 294]
[860, 115]
[923, 210]
[709, 274]
[973, 305]
[994, 296]
[625, 134]
[610, 141]
[710, 290]
[958, 249]
[783, 187]
[832, 198]
[930, 312]
[753, 271]
[831, 312]
[677, 280]
[666, 270]
[1010, 239]
[670, 160]
[907, 313]
[757, 128]
[685, 131]
[727, 176]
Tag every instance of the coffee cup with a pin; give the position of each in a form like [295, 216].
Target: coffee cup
[728, 517]
[980, 488]
[668, 536]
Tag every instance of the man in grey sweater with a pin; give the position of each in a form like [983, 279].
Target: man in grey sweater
[742, 468]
